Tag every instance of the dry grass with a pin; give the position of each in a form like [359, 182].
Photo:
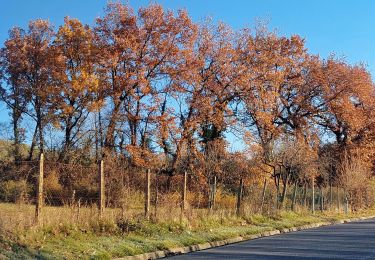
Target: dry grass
[72, 232]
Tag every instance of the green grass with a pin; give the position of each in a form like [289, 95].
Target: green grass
[107, 238]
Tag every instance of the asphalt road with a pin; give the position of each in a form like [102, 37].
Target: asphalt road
[354, 240]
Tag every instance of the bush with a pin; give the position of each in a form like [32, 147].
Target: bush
[357, 182]
[127, 225]
[15, 191]
[53, 189]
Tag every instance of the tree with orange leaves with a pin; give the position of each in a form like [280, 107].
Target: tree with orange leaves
[346, 101]
[75, 81]
[12, 92]
[139, 52]
[31, 55]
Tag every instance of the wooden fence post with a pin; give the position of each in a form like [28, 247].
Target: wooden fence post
[147, 194]
[239, 197]
[330, 194]
[338, 198]
[39, 200]
[313, 195]
[346, 205]
[156, 199]
[101, 188]
[212, 194]
[183, 205]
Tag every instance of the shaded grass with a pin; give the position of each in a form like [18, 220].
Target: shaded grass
[107, 238]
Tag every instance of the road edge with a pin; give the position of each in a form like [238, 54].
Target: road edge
[208, 245]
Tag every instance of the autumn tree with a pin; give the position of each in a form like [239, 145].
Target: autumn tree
[346, 101]
[76, 83]
[34, 72]
[260, 93]
[203, 93]
[346, 112]
[12, 93]
[139, 50]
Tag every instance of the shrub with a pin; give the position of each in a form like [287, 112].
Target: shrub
[15, 191]
[356, 180]
[53, 189]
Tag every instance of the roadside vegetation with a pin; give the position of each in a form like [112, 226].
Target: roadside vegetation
[139, 113]
[63, 236]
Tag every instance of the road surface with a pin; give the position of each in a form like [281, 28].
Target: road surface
[354, 240]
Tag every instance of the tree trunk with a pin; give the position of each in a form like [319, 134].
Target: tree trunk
[101, 138]
[277, 182]
[39, 123]
[96, 138]
[109, 143]
[133, 125]
[263, 195]
[313, 195]
[33, 144]
[239, 198]
[64, 154]
[17, 137]
[285, 188]
[294, 196]
[304, 195]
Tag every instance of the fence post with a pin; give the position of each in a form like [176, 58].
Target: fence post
[212, 194]
[338, 198]
[101, 188]
[330, 194]
[183, 205]
[346, 205]
[239, 197]
[156, 199]
[313, 196]
[147, 194]
[72, 202]
[39, 200]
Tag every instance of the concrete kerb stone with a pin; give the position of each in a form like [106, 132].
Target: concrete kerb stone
[199, 247]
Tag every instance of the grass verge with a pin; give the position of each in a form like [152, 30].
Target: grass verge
[116, 237]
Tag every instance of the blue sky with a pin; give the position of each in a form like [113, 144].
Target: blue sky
[344, 27]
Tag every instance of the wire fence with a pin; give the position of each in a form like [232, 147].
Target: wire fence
[133, 191]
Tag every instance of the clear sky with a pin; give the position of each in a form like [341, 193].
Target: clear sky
[346, 27]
